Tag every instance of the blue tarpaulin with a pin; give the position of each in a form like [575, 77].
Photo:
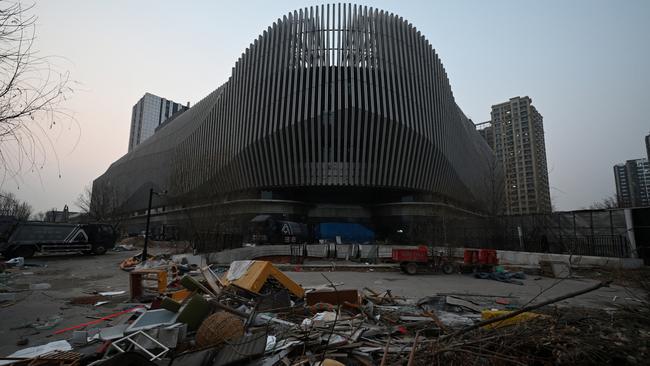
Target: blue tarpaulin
[349, 232]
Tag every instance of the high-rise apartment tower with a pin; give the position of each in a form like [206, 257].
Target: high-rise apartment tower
[148, 113]
[516, 134]
[633, 183]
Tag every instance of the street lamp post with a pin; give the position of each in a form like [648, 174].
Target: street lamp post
[146, 233]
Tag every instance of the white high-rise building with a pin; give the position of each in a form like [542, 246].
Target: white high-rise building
[149, 113]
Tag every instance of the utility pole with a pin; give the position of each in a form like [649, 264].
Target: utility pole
[146, 233]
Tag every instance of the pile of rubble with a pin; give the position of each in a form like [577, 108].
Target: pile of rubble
[253, 314]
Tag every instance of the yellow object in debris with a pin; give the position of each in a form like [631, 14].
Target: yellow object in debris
[257, 275]
[489, 314]
[329, 362]
[180, 295]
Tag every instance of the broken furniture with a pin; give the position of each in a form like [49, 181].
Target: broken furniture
[139, 279]
[194, 311]
[194, 307]
[179, 295]
[339, 297]
[130, 343]
[254, 274]
[153, 319]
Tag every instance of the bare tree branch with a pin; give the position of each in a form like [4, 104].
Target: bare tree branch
[84, 200]
[31, 93]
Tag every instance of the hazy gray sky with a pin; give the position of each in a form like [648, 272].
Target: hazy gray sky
[585, 64]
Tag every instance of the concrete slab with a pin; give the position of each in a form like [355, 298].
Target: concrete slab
[419, 286]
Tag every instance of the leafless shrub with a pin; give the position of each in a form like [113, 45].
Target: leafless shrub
[606, 203]
[10, 205]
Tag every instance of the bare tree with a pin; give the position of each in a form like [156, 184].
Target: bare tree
[84, 200]
[10, 205]
[50, 215]
[39, 216]
[606, 203]
[495, 186]
[31, 93]
[99, 203]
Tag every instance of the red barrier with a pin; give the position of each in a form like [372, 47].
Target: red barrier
[97, 321]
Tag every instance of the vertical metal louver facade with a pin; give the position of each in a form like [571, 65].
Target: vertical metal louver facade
[328, 96]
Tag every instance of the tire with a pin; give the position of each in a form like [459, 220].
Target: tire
[99, 249]
[411, 268]
[447, 268]
[25, 251]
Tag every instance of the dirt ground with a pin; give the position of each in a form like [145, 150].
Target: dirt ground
[76, 275]
[69, 276]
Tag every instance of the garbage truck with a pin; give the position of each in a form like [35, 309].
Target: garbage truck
[266, 229]
[25, 238]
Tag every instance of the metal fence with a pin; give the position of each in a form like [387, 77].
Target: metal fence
[207, 242]
[601, 233]
[589, 232]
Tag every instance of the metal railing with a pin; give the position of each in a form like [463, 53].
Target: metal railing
[592, 245]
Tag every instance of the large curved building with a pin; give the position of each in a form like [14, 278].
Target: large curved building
[335, 112]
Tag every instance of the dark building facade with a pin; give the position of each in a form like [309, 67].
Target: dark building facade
[336, 112]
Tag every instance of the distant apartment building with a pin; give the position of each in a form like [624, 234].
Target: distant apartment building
[647, 147]
[633, 183]
[148, 113]
[516, 134]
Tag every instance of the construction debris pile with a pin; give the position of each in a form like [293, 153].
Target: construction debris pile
[574, 336]
[253, 314]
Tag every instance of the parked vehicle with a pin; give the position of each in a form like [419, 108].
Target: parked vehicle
[265, 229]
[412, 261]
[25, 238]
